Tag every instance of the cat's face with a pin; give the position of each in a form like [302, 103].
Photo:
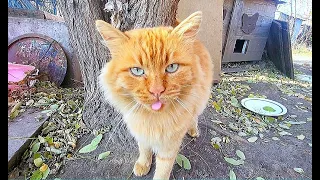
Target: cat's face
[152, 67]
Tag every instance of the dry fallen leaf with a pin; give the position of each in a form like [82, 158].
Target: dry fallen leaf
[240, 154]
[275, 139]
[44, 167]
[232, 175]
[182, 161]
[298, 170]
[252, 139]
[38, 162]
[104, 155]
[301, 137]
[234, 161]
[56, 145]
[282, 133]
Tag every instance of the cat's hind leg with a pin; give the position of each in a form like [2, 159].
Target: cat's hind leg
[143, 164]
[194, 128]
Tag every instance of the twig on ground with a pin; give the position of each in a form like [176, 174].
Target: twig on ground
[130, 175]
[202, 159]
[21, 138]
[226, 133]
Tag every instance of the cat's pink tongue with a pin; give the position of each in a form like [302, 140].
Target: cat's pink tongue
[156, 106]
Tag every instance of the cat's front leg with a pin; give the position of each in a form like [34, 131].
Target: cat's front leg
[165, 159]
[143, 164]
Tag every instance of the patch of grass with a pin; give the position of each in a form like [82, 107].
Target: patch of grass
[301, 51]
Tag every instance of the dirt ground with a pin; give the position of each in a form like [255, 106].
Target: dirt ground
[266, 158]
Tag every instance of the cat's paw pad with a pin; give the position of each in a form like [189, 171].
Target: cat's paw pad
[194, 132]
[140, 170]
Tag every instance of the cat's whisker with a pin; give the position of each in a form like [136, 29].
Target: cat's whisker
[173, 116]
[125, 94]
[116, 116]
[202, 159]
[199, 85]
[194, 95]
[188, 101]
[194, 119]
[174, 106]
[172, 102]
[112, 134]
[184, 106]
[120, 121]
[137, 110]
[122, 124]
[136, 106]
[119, 113]
[187, 144]
[116, 127]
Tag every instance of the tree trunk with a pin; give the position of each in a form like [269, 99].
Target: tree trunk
[80, 16]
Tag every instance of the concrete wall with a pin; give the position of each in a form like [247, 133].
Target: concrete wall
[57, 30]
[211, 27]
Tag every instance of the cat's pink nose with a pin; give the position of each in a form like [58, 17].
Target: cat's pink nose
[156, 90]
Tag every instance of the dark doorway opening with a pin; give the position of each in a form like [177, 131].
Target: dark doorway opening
[241, 46]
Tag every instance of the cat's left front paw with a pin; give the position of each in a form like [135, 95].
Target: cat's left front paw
[140, 169]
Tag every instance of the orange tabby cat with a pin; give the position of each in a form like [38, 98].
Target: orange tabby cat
[160, 80]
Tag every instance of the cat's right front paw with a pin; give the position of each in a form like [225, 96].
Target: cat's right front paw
[140, 169]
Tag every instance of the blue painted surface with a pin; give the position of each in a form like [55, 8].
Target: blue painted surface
[26, 4]
[297, 26]
[21, 4]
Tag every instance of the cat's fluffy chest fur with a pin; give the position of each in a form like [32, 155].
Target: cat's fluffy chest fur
[157, 130]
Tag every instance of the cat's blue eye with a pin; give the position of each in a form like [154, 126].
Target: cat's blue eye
[137, 71]
[172, 68]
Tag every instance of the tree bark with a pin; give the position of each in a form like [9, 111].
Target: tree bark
[80, 16]
[133, 14]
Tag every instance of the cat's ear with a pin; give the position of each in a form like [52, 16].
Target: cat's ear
[189, 27]
[111, 35]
